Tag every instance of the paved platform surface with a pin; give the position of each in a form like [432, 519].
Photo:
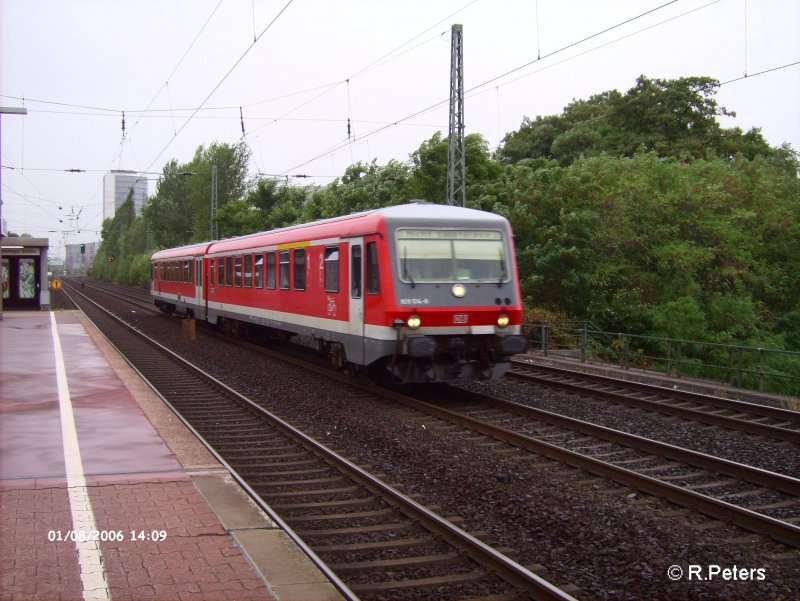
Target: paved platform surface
[104, 494]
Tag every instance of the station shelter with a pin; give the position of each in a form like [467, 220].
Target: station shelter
[24, 274]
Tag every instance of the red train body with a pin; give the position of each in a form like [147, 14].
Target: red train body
[425, 292]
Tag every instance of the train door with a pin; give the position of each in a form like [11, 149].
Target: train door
[198, 287]
[355, 348]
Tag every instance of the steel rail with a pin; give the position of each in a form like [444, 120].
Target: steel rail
[750, 520]
[499, 563]
[734, 469]
[653, 405]
[742, 517]
[315, 559]
[673, 393]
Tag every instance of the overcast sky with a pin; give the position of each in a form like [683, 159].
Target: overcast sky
[181, 69]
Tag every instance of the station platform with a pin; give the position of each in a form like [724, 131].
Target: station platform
[104, 494]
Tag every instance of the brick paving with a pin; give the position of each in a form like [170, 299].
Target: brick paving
[134, 482]
[198, 559]
[32, 567]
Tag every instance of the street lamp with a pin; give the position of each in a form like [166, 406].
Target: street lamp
[5, 110]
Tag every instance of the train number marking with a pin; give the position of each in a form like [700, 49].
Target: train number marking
[414, 301]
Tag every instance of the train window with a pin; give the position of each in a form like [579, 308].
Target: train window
[284, 270]
[271, 271]
[211, 279]
[332, 269]
[199, 275]
[300, 269]
[355, 271]
[258, 270]
[229, 271]
[248, 271]
[221, 271]
[187, 271]
[373, 274]
[432, 255]
[237, 272]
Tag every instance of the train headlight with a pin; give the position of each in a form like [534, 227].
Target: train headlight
[502, 320]
[413, 322]
[458, 290]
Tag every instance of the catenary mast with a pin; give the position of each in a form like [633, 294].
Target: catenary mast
[456, 164]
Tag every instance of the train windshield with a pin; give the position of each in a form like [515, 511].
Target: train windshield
[444, 255]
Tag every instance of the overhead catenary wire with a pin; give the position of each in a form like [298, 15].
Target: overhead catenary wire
[175, 69]
[367, 133]
[474, 89]
[386, 124]
[221, 81]
[382, 60]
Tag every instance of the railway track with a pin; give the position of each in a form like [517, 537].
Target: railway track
[762, 420]
[369, 539]
[754, 499]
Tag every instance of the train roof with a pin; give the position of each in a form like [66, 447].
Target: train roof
[190, 250]
[415, 213]
[418, 213]
[423, 212]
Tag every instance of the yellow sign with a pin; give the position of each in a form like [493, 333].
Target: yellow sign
[56, 284]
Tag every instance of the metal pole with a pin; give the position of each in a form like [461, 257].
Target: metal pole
[544, 339]
[214, 229]
[584, 340]
[456, 161]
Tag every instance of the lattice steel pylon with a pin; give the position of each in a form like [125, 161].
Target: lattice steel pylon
[456, 163]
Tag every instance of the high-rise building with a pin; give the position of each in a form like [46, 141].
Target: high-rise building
[116, 187]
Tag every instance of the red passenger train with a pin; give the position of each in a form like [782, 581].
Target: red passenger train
[425, 292]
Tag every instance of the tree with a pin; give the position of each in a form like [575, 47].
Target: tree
[673, 118]
[237, 218]
[363, 186]
[167, 213]
[429, 164]
[278, 203]
[231, 162]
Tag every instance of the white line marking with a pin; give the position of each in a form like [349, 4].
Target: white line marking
[90, 559]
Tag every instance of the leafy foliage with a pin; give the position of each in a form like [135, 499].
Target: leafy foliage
[673, 118]
[634, 210]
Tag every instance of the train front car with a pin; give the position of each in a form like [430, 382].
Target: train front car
[458, 308]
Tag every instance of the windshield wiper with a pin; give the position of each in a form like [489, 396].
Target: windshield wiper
[503, 273]
[406, 274]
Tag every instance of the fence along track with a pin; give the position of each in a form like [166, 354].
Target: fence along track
[323, 498]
